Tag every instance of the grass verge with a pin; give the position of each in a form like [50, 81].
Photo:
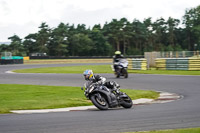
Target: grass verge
[187, 130]
[23, 97]
[61, 61]
[68, 69]
[102, 69]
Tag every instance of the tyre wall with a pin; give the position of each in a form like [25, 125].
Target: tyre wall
[137, 64]
[13, 60]
[178, 63]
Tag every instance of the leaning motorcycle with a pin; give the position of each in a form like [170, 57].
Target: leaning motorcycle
[104, 98]
[121, 68]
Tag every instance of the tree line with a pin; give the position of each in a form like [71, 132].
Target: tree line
[131, 38]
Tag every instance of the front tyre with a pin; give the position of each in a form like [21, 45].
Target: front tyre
[99, 101]
[126, 102]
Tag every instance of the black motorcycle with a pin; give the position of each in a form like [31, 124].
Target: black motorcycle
[121, 66]
[104, 98]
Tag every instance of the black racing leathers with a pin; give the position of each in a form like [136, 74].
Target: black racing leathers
[98, 78]
[101, 80]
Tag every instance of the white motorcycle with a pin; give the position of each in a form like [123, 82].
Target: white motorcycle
[121, 68]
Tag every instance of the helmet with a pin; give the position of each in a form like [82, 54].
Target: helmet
[88, 74]
[117, 52]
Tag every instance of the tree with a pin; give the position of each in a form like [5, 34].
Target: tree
[130, 38]
[159, 29]
[43, 38]
[30, 44]
[100, 44]
[16, 46]
[3, 48]
[82, 45]
[171, 27]
[139, 36]
[150, 38]
[191, 19]
[115, 33]
[58, 42]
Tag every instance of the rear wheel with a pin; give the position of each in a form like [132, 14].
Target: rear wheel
[125, 73]
[99, 101]
[118, 73]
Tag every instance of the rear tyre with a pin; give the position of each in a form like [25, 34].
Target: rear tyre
[118, 73]
[99, 101]
[125, 73]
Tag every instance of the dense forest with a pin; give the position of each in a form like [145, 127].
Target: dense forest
[131, 38]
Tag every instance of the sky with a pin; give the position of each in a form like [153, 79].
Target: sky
[22, 17]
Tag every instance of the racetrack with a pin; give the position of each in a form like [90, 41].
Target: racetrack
[182, 113]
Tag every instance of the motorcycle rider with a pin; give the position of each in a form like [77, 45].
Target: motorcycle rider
[116, 58]
[88, 74]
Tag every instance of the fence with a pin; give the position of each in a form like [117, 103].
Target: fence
[179, 54]
[137, 64]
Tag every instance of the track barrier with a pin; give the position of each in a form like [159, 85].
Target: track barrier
[178, 63]
[11, 60]
[137, 64]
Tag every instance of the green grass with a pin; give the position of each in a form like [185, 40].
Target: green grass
[61, 61]
[68, 69]
[136, 94]
[23, 97]
[188, 130]
[102, 69]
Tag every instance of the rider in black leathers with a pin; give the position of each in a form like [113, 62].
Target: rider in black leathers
[88, 74]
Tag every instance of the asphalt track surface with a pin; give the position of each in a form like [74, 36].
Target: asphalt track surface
[183, 113]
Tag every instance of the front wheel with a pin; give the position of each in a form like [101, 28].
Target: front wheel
[99, 101]
[127, 102]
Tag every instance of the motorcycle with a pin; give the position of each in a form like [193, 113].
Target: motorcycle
[104, 98]
[121, 68]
